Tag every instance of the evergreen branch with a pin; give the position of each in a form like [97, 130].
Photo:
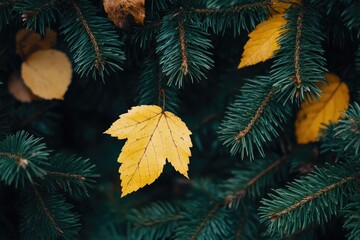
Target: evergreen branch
[38, 14]
[351, 212]
[350, 17]
[313, 198]
[71, 174]
[248, 123]
[49, 216]
[183, 48]
[47, 212]
[242, 16]
[92, 40]
[155, 221]
[6, 8]
[257, 115]
[299, 26]
[153, 83]
[299, 64]
[204, 222]
[253, 179]
[22, 157]
[344, 138]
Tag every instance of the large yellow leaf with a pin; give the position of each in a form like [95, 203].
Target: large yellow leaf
[153, 136]
[47, 73]
[333, 101]
[279, 7]
[263, 41]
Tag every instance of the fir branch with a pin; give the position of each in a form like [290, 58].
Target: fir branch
[183, 48]
[252, 179]
[249, 124]
[71, 174]
[242, 16]
[314, 198]
[351, 212]
[47, 212]
[52, 216]
[22, 157]
[257, 115]
[6, 9]
[38, 14]
[92, 40]
[204, 222]
[299, 64]
[155, 221]
[153, 87]
[344, 138]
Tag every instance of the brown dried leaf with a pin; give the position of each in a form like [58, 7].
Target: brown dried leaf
[19, 90]
[118, 10]
[28, 42]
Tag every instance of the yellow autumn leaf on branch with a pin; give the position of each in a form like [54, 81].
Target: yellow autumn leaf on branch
[263, 41]
[333, 101]
[118, 10]
[153, 136]
[47, 73]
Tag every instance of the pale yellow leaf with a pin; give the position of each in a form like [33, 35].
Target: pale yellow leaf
[28, 42]
[333, 101]
[263, 41]
[153, 136]
[47, 73]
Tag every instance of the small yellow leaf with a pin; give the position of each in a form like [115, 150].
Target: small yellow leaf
[47, 73]
[118, 10]
[153, 136]
[333, 101]
[28, 42]
[263, 41]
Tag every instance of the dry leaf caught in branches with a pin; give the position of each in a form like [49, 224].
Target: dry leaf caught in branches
[118, 10]
[19, 90]
[333, 101]
[153, 136]
[47, 73]
[27, 42]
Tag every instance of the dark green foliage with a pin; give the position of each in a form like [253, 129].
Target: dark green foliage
[205, 220]
[38, 14]
[234, 15]
[22, 157]
[156, 221]
[71, 174]
[183, 48]
[351, 214]
[314, 198]
[183, 42]
[343, 138]
[94, 44]
[5, 12]
[154, 88]
[48, 217]
[249, 125]
[252, 179]
[300, 62]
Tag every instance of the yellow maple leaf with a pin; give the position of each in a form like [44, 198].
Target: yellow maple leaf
[333, 101]
[47, 73]
[153, 136]
[263, 41]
